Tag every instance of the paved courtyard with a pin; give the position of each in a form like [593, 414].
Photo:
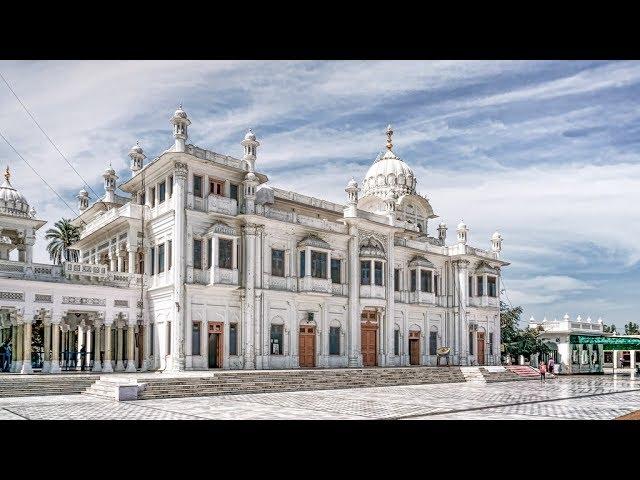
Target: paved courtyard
[591, 398]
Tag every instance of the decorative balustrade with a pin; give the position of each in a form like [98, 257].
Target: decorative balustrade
[129, 210]
[341, 289]
[292, 217]
[312, 284]
[100, 274]
[483, 301]
[279, 283]
[372, 291]
[422, 297]
[224, 205]
[225, 276]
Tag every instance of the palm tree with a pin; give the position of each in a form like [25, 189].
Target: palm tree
[60, 239]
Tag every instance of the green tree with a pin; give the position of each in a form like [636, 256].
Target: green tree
[631, 328]
[517, 341]
[609, 328]
[60, 240]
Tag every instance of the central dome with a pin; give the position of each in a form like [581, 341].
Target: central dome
[12, 202]
[389, 174]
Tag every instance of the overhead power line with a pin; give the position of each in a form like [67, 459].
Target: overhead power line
[38, 175]
[47, 136]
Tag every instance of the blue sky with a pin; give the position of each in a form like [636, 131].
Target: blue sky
[544, 151]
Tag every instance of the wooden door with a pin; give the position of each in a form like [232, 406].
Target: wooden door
[369, 338]
[307, 346]
[414, 348]
[215, 344]
[480, 348]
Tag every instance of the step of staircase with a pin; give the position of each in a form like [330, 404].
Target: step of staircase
[35, 385]
[473, 374]
[523, 371]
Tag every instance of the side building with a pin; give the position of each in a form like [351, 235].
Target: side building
[198, 263]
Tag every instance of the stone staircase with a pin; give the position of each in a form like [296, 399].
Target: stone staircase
[261, 381]
[33, 385]
[525, 371]
[501, 374]
[108, 386]
[472, 374]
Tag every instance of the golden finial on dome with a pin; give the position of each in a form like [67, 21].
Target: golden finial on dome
[7, 174]
[389, 135]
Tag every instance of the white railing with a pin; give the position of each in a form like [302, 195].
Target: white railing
[311, 284]
[37, 271]
[341, 289]
[292, 217]
[279, 283]
[483, 301]
[100, 274]
[372, 291]
[224, 205]
[225, 276]
[422, 297]
[129, 210]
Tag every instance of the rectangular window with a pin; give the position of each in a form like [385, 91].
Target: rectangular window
[396, 342]
[396, 280]
[161, 258]
[168, 338]
[413, 280]
[433, 342]
[142, 198]
[169, 253]
[277, 263]
[225, 253]
[153, 197]
[365, 272]
[302, 263]
[471, 286]
[480, 286]
[197, 186]
[152, 259]
[216, 188]
[377, 266]
[492, 290]
[334, 340]
[490, 343]
[209, 252]
[233, 192]
[151, 338]
[195, 338]
[233, 339]
[170, 185]
[162, 192]
[470, 343]
[318, 264]
[197, 253]
[276, 339]
[424, 280]
[335, 270]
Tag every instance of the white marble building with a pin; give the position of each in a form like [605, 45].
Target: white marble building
[201, 264]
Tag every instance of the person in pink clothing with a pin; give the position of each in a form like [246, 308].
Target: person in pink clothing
[542, 368]
[551, 364]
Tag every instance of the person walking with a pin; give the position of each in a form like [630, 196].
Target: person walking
[551, 364]
[6, 359]
[542, 368]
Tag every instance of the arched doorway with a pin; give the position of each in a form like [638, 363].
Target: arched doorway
[369, 338]
[307, 345]
[414, 346]
[481, 357]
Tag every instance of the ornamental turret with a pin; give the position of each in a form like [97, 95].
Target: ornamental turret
[180, 124]
[351, 210]
[250, 145]
[462, 231]
[496, 243]
[250, 183]
[110, 178]
[442, 232]
[137, 158]
[83, 200]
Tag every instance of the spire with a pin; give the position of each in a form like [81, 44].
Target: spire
[389, 135]
[7, 174]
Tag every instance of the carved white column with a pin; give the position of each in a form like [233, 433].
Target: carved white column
[26, 357]
[131, 256]
[146, 346]
[88, 348]
[462, 327]
[97, 364]
[131, 361]
[81, 343]
[249, 236]
[119, 352]
[390, 310]
[46, 363]
[120, 261]
[353, 321]
[56, 319]
[179, 236]
[107, 367]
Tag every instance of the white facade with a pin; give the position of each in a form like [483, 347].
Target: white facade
[231, 273]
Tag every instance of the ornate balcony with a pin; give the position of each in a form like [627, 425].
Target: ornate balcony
[421, 297]
[100, 274]
[34, 271]
[224, 205]
[224, 276]
[315, 285]
[483, 301]
[372, 291]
